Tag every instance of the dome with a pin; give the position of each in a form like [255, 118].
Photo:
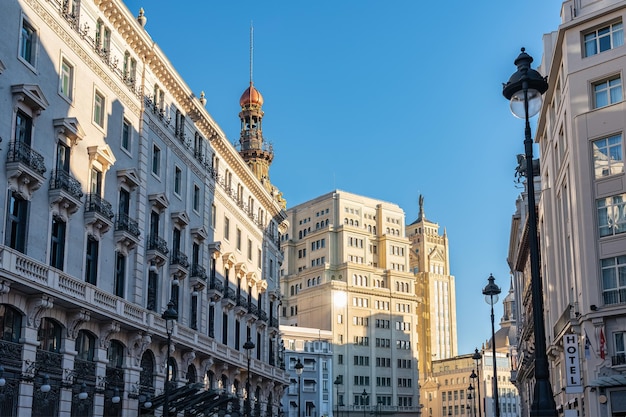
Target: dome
[251, 97]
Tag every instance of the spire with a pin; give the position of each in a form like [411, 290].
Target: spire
[251, 50]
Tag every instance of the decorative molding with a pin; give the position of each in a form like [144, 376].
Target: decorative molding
[35, 307]
[107, 332]
[75, 320]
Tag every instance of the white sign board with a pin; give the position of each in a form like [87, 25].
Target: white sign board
[573, 381]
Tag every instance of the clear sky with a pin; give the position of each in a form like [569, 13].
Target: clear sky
[387, 99]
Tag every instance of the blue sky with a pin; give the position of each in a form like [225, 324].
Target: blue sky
[387, 99]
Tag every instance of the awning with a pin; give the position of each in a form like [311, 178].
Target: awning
[194, 400]
[609, 381]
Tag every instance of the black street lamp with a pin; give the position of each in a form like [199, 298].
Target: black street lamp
[470, 397]
[364, 395]
[477, 356]
[476, 382]
[524, 90]
[299, 367]
[491, 292]
[248, 346]
[337, 383]
[170, 316]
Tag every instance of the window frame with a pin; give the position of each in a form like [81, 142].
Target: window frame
[126, 140]
[58, 233]
[155, 168]
[606, 82]
[178, 180]
[99, 109]
[610, 269]
[69, 94]
[31, 60]
[612, 207]
[599, 37]
[609, 153]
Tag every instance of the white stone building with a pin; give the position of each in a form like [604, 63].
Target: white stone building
[123, 194]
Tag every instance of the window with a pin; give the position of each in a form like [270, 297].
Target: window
[619, 354]
[126, 135]
[603, 39]
[213, 215]
[226, 228]
[85, 346]
[66, 81]
[607, 92]
[156, 160]
[23, 128]
[120, 274]
[614, 279]
[250, 250]
[607, 156]
[28, 42]
[178, 177]
[96, 182]
[196, 198]
[98, 108]
[63, 157]
[611, 215]
[91, 261]
[17, 222]
[57, 243]
[151, 303]
[129, 69]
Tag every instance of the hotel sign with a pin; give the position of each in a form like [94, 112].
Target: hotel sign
[573, 380]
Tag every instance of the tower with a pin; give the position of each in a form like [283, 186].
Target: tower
[430, 262]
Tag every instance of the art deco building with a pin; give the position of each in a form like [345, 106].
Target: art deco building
[123, 194]
[347, 271]
[430, 262]
[582, 221]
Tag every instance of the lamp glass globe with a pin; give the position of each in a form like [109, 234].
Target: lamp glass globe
[534, 103]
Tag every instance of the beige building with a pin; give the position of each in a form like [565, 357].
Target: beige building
[121, 195]
[347, 271]
[582, 221]
[430, 262]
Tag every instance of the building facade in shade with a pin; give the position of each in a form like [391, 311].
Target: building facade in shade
[582, 221]
[346, 271]
[311, 392]
[122, 195]
[430, 262]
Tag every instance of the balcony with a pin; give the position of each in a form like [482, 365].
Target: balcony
[98, 214]
[242, 305]
[65, 193]
[197, 278]
[25, 169]
[179, 264]
[157, 249]
[230, 298]
[126, 233]
[216, 289]
[619, 359]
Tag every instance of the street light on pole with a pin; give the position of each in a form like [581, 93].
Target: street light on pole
[524, 90]
[474, 378]
[248, 346]
[470, 397]
[491, 292]
[299, 367]
[170, 316]
[364, 395]
[477, 356]
[337, 383]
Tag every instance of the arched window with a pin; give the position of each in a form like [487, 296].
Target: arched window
[191, 374]
[85, 343]
[115, 354]
[10, 323]
[49, 335]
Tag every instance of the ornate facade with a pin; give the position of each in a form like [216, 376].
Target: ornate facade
[122, 194]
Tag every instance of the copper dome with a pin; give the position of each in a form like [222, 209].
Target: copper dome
[251, 97]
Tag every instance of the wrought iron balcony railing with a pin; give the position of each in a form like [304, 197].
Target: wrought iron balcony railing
[126, 224]
[62, 180]
[97, 204]
[158, 244]
[198, 271]
[21, 152]
[179, 258]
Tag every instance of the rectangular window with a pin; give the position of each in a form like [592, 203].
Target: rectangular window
[96, 182]
[614, 280]
[17, 223]
[91, 261]
[619, 354]
[603, 39]
[607, 156]
[213, 215]
[607, 92]
[28, 42]
[57, 244]
[98, 108]
[249, 250]
[156, 160]
[196, 198]
[63, 158]
[120, 274]
[23, 128]
[66, 81]
[126, 135]
[153, 277]
[178, 178]
[259, 260]
[238, 239]
[226, 228]
[612, 215]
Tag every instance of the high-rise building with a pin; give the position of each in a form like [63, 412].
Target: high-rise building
[123, 195]
[582, 217]
[430, 262]
[346, 271]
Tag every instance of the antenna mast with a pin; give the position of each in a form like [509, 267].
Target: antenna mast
[251, 49]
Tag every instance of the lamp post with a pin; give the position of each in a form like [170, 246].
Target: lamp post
[476, 382]
[248, 346]
[524, 90]
[470, 396]
[170, 316]
[298, 367]
[364, 395]
[491, 292]
[337, 383]
[477, 356]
